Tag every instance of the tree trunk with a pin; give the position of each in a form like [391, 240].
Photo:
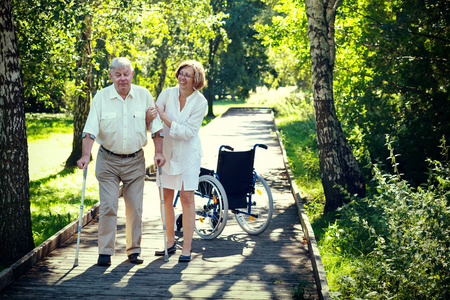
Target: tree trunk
[209, 96]
[162, 60]
[15, 220]
[83, 100]
[209, 90]
[338, 165]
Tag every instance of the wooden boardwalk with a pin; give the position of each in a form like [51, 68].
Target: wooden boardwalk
[235, 265]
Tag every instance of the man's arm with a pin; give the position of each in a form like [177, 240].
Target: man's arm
[85, 159]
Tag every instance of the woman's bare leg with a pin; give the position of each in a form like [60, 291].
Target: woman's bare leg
[188, 206]
[170, 216]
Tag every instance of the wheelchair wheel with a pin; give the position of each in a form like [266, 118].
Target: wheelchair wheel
[257, 219]
[211, 207]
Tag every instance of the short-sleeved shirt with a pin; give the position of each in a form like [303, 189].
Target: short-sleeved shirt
[118, 124]
[182, 146]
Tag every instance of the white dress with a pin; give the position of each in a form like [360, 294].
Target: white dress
[182, 147]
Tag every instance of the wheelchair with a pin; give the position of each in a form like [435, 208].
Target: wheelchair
[235, 187]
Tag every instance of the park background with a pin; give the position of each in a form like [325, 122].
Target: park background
[390, 93]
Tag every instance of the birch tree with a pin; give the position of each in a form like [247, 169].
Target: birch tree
[338, 165]
[15, 219]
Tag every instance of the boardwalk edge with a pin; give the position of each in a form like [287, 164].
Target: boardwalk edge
[316, 260]
[10, 274]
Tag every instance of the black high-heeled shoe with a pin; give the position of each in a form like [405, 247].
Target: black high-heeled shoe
[185, 258]
[170, 250]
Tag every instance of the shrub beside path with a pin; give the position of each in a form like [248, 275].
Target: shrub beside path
[235, 265]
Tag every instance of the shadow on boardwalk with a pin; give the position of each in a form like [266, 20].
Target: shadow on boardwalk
[235, 265]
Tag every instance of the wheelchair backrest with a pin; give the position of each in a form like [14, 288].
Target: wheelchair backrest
[235, 171]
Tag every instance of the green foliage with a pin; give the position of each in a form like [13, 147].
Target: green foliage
[399, 238]
[286, 37]
[286, 101]
[391, 77]
[155, 35]
[392, 244]
[46, 50]
[171, 34]
[245, 47]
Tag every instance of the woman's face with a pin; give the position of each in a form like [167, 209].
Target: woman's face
[186, 78]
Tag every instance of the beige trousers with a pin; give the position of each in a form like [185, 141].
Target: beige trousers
[110, 171]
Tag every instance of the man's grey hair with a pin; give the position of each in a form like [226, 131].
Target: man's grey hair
[120, 62]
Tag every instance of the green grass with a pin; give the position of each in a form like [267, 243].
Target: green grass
[55, 193]
[55, 202]
[43, 125]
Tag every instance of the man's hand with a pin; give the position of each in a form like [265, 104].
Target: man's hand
[150, 115]
[159, 159]
[84, 161]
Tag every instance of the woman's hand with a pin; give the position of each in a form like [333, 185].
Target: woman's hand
[150, 115]
[163, 117]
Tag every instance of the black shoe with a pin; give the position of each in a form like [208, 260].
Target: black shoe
[104, 260]
[135, 258]
[184, 258]
[170, 250]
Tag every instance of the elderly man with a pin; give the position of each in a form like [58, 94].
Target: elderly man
[117, 121]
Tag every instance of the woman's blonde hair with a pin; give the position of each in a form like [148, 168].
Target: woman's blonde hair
[199, 73]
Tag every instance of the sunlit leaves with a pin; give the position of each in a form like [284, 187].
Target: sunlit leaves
[45, 47]
[288, 33]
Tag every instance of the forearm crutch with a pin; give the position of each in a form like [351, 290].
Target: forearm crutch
[80, 221]
[166, 255]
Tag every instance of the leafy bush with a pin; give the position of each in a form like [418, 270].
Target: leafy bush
[399, 237]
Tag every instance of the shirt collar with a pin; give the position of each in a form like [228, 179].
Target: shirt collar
[115, 94]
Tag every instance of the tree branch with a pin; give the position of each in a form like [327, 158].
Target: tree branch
[333, 11]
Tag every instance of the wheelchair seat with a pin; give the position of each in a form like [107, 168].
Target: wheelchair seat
[235, 173]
